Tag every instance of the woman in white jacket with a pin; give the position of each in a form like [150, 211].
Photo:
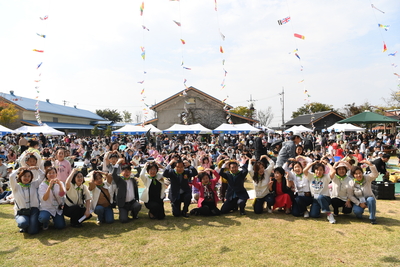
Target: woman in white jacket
[102, 192]
[261, 181]
[26, 200]
[154, 192]
[360, 191]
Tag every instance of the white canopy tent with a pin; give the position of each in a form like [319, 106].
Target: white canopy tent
[190, 129]
[45, 129]
[235, 129]
[345, 127]
[137, 129]
[5, 130]
[298, 129]
[267, 130]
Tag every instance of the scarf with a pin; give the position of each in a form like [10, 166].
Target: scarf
[341, 178]
[100, 186]
[154, 179]
[48, 184]
[24, 185]
[359, 182]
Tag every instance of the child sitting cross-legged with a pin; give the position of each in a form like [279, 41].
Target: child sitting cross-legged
[208, 198]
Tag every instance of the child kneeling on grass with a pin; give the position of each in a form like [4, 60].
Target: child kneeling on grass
[208, 198]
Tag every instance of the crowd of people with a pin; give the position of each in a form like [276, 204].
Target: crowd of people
[302, 174]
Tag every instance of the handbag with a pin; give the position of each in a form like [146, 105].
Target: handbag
[24, 212]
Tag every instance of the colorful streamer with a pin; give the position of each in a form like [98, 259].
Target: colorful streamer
[377, 8]
[384, 47]
[392, 54]
[41, 35]
[44, 18]
[141, 9]
[177, 23]
[36, 50]
[221, 49]
[299, 36]
[183, 41]
[145, 28]
[386, 27]
[283, 21]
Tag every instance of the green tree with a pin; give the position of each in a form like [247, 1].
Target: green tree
[350, 110]
[126, 116]
[109, 114]
[95, 131]
[311, 108]
[8, 113]
[242, 110]
[108, 131]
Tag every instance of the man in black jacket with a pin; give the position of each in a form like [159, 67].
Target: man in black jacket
[127, 194]
[180, 190]
[236, 194]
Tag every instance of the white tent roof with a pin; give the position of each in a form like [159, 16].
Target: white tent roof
[298, 129]
[46, 130]
[137, 129]
[267, 130]
[235, 128]
[5, 130]
[345, 127]
[191, 129]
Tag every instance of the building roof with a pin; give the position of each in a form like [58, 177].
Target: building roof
[187, 90]
[308, 118]
[48, 107]
[57, 125]
[243, 117]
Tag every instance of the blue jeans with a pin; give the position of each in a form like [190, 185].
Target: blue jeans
[300, 204]
[5, 194]
[371, 204]
[322, 203]
[29, 224]
[104, 214]
[58, 220]
[259, 203]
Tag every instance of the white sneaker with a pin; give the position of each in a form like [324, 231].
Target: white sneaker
[306, 214]
[331, 219]
[269, 210]
[4, 201]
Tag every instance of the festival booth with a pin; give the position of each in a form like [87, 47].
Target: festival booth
[187, 129]
[5, 130]
[299, 128]
[226, 128]
[345, 127]
[137, 129]
[45, 129]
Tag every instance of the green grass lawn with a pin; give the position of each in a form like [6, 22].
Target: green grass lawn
[252, 240]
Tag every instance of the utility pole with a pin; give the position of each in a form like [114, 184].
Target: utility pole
[283, 106]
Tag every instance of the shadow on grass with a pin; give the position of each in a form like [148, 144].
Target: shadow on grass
[11, 250]
[89, 229]
[171, 223]
[8, 215]
[390, 259]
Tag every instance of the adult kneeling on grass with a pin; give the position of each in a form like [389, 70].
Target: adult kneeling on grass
[360, 191]
[77, 203]
[26, 199]
[236, 195]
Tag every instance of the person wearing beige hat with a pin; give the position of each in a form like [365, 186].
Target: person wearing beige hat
[338, 188]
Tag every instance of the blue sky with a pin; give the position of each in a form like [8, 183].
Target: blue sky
[92, 51]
